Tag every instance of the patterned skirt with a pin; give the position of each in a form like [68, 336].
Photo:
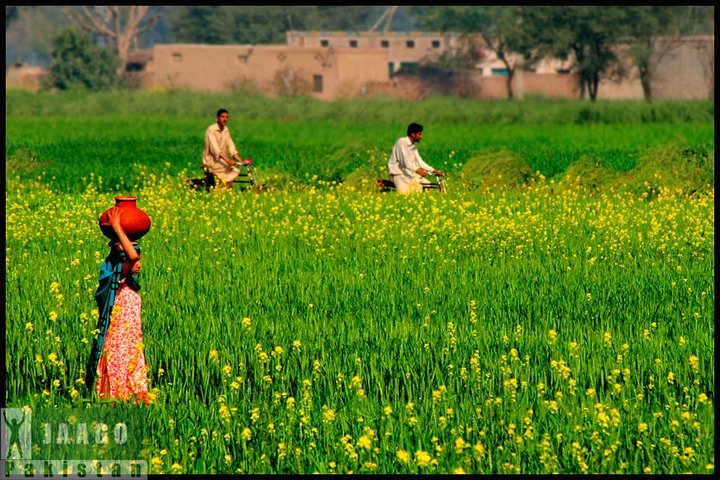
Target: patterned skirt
[121, 372]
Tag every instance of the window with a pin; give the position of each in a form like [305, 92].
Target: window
[391, 67]
[562, 70]
[384, 43]
[499, 71]
[410, 44]
[407, 65]
[177, 57]
[317, 83]
[435, 43]
[134, 67]
[324, 43]
[353, 43]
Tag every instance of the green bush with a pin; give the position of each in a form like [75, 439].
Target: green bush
[78, 64]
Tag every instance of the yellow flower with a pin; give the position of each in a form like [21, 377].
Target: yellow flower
[176, 468]
[403, 456]
[155, 464]
[29, 326]
[694, 363]
[53, 316]
[364, 442]
[552, 336]
[387, 410]
[246, 434]
[214, 357]
[328, 415]
[228, 460]
[422, 458]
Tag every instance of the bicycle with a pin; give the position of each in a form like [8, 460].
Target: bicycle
[440, 184]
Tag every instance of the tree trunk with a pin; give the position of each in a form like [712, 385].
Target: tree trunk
[646, 82]
[122, 46]
[508, 83]
[593, 86]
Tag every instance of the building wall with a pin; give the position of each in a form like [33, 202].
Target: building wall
[23, 77]
[687, 71]
[305, 67]
[273, 69]
[550, 85]
[402, 47]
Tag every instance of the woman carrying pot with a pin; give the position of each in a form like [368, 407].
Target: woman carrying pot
[117, 368]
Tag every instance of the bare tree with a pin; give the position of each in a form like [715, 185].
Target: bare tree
[119, 25]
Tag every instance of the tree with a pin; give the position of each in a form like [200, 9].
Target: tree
[499, 27]
[77, 62]
[587, 33]
[652, 33]
[120, 26]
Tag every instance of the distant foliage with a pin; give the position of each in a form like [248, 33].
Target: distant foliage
[78, 63]
[261, 25]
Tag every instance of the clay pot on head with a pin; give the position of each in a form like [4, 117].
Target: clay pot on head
[134, 222]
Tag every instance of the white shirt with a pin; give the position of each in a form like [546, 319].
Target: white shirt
[405, 159]
[216, 142]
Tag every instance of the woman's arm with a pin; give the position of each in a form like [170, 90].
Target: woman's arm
[132, 256]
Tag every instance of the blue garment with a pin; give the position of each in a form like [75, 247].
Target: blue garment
[108, 284]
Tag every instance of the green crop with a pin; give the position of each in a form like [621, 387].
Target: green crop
[562, 324]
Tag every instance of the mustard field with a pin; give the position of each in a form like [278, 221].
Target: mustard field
[559, 320]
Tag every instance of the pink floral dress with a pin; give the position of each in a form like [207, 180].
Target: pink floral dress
[121, 372]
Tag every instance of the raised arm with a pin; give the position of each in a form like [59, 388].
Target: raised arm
[132, 256]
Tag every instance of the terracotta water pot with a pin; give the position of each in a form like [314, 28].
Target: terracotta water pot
[134, 222]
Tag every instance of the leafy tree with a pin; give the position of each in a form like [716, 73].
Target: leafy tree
[77, 62]
[588, 33]
[499, 27]
[260, 25]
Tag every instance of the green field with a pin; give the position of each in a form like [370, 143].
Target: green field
[552, 313]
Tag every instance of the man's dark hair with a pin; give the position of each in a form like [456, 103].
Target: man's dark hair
[414, 128]
[221, 111]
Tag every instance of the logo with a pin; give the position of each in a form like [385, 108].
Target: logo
[16, 433]
[73, 444]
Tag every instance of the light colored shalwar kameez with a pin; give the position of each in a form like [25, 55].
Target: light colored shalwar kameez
[403, 165]
[218, 141]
